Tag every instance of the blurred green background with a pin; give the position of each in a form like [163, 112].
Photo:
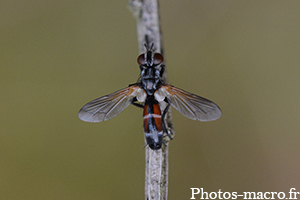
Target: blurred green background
[58, 55]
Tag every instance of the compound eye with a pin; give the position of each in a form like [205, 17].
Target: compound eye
[157, 59]
[141, 59]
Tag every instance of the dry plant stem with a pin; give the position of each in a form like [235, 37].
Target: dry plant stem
[148, 26]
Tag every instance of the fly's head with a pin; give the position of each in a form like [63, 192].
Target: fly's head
[150, 60]
[154, 140]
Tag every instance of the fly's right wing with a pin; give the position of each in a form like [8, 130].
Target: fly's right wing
[188, 104]
[109, 106]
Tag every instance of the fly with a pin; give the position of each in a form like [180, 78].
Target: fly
[148, 93]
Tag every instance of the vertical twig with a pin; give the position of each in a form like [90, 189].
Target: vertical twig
[156, 170]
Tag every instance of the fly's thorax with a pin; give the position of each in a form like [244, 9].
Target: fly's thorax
[149, 85]
[150, 78]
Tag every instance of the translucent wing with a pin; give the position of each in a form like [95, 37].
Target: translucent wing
[191, 105]
[109, 106]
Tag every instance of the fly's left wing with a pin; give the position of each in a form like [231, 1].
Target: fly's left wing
[188, 104]
[109, 106]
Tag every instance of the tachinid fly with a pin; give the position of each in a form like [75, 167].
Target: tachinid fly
[148, 93]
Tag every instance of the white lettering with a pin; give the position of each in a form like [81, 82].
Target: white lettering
[273, 194]
[203, 193]
[293, 193]
[234, 195]
[227, 194]
[213, 193]
[245, 195]
[265, 195]
[193, 192]
[260, 195]
[279, 195]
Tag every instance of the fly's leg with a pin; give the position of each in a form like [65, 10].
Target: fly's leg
[163, 67]
[133, 102]
[163, 117]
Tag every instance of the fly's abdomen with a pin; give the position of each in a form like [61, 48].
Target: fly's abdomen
[152, 118]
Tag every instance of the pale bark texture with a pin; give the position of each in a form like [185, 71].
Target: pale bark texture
[148, 28]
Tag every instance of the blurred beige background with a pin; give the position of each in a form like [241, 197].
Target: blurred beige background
[58, 55]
